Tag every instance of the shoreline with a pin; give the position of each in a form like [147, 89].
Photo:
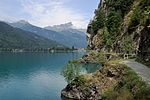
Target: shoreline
[102, 83]
[43, 51]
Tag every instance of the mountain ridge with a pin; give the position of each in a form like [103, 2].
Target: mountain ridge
[65, 35]
[11, 37]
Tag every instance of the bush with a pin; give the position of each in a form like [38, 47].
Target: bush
[113, 23]
[128, 45]
[119, 5]
[99, 21]
[130, 87]
[70, 71]
[123, 5]
[107, 38]
[140, 15]
[146, 17]
[135, 18]
[78, 81]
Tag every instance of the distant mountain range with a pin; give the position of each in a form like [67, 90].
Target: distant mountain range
[11, 37]
[68, 28]
[64, 33]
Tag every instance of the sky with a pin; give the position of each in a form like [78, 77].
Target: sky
[49, 12]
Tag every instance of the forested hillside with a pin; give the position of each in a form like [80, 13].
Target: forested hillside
[15, 38]
[121, 26]
[62, 34]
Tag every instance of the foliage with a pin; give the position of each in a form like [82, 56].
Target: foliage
[147, 63]
[135, 19]
[78, 81]
[130, 87]
[115, 19]
[145, 3]
[71, 71]
[14, 38]
[113, 23]
[101, 58]
[107, 38]
[98, 57]
[128, 45]
[99, 21]
[146, 17]
[119, 5]
[123, 94]
[93, 54]
[140, 15]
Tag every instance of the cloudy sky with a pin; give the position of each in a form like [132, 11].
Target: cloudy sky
[48, 12]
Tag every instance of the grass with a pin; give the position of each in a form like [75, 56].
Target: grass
[130, 87]
[126, 85]
[115, 61]
[78, 81]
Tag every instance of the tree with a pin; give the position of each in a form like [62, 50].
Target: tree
[99, 21]
[113, 23]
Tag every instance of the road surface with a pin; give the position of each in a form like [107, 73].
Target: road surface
[140, 69]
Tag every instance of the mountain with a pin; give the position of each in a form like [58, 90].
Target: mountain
[58, 33]
[69, 31]
[24, 25]
[67, 28]
[11, 37]
[60, 27]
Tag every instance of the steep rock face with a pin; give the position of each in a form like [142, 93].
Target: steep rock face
[144, 46]
[121, 26]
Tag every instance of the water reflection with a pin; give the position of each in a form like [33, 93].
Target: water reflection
[32, 76]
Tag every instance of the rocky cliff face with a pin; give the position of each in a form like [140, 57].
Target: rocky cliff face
[121, 26]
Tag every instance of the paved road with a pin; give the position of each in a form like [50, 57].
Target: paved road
[140, 69]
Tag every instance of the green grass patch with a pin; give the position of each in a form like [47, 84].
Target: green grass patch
[130, 87]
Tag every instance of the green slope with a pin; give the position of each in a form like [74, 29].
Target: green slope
[16, 38]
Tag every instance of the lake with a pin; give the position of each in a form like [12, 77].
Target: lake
[33, 76]
[36, 76]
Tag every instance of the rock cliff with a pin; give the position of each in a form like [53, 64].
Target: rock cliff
[121, 26]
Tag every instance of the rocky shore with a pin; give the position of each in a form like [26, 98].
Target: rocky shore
[95, 84]
[118, 27]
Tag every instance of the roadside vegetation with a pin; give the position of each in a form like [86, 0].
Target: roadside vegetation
[114, 33]
[147, 63]
[113, 81]
[129, 87]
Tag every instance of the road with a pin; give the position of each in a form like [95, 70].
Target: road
[140, 69]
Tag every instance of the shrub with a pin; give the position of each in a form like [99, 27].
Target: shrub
[130, 87]
[70, 71]
[146, 17]
[78, 81]
[128, 45]
[113, 23]
[107, 38]
[99, 21]
[135, 18]
[119, 5]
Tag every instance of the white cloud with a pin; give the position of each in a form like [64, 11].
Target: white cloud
[52, 12]
[7, 18]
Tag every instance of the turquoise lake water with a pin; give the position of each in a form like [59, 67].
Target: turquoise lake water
[33, 76]
[36, 76]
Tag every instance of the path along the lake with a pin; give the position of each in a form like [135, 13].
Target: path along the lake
[140, 69]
